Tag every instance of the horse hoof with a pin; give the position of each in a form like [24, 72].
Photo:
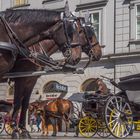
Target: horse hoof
[53, 135]
[65, 135]
[25, 135]
[15, 135]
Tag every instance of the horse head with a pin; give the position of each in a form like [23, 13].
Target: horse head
[66, 36]
[88, 40]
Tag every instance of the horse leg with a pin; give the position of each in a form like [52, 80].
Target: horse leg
[17, 104]
[44, 126]
[66, 119]
[26, 92]
[66, 130]
[46, 131]
[22, 121]
[54, 127]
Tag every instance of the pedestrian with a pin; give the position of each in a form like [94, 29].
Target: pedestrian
[32, 121]
[38, 122]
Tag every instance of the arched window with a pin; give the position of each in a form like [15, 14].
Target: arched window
[90, 85]
[49, 87]
[54, 89]
[94, 85]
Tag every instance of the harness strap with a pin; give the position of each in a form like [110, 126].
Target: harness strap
[87, 64]
[95, 44]
[13, 37]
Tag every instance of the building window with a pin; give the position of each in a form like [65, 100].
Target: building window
[20, 2]
[95, 19]
[89, 85]
[138, 22]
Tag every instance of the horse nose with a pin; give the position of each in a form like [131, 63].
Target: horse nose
[74, 62]
[77, 61]
[97, 58]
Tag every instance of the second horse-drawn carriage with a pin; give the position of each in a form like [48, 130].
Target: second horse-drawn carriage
[111, 114]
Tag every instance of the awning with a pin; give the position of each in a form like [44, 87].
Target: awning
[76, 97]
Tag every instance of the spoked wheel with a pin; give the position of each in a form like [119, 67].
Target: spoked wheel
[2, 123]
[102, 129]
[88, 126]
[118, 117]
[8, 128]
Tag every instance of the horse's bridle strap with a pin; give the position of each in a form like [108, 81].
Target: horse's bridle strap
[95, 44]
[73, 45]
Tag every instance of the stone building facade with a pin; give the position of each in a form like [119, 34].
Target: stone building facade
[117, 26]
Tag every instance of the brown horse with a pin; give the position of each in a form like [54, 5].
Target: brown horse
[88, 40]
[24, 86]
[31, 26]
[30, 30]
[58, 109]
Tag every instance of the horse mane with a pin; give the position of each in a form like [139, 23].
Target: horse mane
[90, 31]
[31, 16]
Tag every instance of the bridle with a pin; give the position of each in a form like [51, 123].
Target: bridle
[89, 46]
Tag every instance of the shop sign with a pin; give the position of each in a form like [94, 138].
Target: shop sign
[57, 87]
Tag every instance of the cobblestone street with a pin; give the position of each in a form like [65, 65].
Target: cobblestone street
[70, 136]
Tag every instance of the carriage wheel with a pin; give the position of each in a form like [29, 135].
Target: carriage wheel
[118, 117]
[88, 126]
[102, 129]
[8, 128]
[2, 123]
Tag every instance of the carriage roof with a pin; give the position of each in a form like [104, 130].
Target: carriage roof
[130, 82]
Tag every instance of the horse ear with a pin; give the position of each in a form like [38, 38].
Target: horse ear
[87, 15]
[66, 10]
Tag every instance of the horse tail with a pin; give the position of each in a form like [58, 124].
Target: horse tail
[46, 117]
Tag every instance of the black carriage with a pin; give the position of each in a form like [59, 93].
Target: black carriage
[93, 121]
[110, 114]
[91, 116]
